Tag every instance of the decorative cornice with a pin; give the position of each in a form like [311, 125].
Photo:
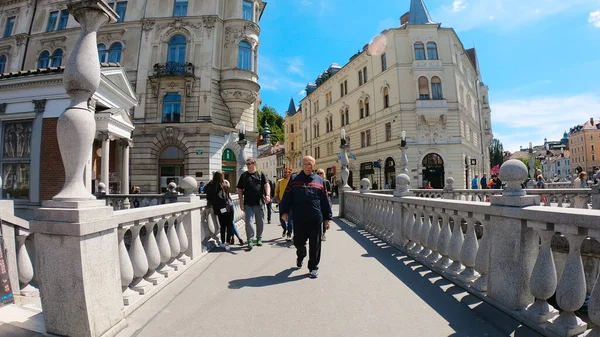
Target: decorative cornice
[31, 84]
[147, 26]
[178, 23]
[235, 34]
[12, 11]
[11, 2]
[53, 43]
[21, 38]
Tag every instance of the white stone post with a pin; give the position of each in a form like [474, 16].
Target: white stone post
[345, 172]
[125, 169]
[77, 246]
[510, 268]
[105, 161]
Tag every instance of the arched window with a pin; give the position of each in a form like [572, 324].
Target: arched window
[343, 120]
[245, 56]
[171, 108]
[386, 97]
[330, 123]
[347, 117]
[177, 46]
[2, 64]
[432, 51]
[326, 124]
[56, 60]
[423, 88]
[102, 53]
[44, 59]
[436, 88]
[367, 107]
[114, 53]
[419, 51]
[292, 128]
[361, 108]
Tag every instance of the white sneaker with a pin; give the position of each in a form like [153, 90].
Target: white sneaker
[227, 248]
[222, 245]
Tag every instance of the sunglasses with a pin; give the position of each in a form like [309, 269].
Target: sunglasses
[250, 164]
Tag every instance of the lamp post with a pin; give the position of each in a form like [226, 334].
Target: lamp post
[531, 182]
[242, 142]
[403, 158]
[402, 179]
[379, 161]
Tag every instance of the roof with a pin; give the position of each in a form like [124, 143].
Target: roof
[418, 14]
[291, 108]
[472, 54]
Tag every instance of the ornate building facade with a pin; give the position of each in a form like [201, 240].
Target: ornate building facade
[192, 67]
[293, 136]
[416, 78]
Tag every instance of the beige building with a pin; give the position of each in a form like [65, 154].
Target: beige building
[416, 78]
[293, 136]
[584, 140]
[192, 67]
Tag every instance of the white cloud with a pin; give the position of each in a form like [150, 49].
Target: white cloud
[458, 5]
[520, 121]
[295, 66]
[302, 93]
[594, 19]
[507, 14]
[272, 78]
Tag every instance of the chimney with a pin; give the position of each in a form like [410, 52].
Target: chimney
[404, 18]
[592, 121]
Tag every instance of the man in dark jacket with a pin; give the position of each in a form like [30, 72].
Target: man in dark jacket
[306, 197]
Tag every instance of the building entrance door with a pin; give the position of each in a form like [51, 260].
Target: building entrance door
[171, 167]
[433, 170]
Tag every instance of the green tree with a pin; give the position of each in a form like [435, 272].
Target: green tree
[496, 153]
[269, 115]
[537, 163]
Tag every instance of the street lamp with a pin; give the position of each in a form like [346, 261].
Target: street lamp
[345, 161]
[379, 161]
[242, 142]
[531, 182]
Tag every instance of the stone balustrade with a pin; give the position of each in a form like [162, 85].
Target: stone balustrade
[499, 251]
[16, 239]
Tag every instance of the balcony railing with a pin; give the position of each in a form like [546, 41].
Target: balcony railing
[174, 69]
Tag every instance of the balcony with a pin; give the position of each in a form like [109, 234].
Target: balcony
[427, 64]
[174, 69]
[431, 110]
[239, 90]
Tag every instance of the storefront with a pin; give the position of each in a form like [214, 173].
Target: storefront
[367, 171]
[390, 173]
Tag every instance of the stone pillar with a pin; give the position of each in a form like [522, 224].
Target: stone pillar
[75, 236]
[242, 157]
[105, 161]
[513, 246]
[192, 223]
[125, 169]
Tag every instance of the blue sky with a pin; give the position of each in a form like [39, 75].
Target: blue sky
[540, 58]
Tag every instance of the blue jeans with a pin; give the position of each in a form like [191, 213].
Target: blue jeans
[287, 226]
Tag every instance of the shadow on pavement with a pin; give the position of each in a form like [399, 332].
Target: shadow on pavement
[267, 280]
[419, 279]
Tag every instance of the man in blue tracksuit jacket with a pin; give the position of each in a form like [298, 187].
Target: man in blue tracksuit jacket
[306, 197]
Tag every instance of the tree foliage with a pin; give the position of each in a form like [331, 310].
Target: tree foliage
[496, 153]
[537, 163]
[273, 120]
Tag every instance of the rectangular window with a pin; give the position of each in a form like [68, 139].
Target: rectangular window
[52, 21]
[368, 132]
[360, 78]
[120, 7]
[63, 20]
[247, 11]
[10, 24]
[292, 146]
[180, 8]
[363, 138]
[341, 89]
[345, 87]
[383, 62]
[436, 90]
[305, 133]
[388, 132]
[15, 160]
[366, 78]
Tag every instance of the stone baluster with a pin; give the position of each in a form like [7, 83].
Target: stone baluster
[468, 253]
[570, 293]
[594, 303]
[444, 242]
[183, 238]
[416, 231]
[543, 278]
[398, 219]
[560, 198]
[174, 242]
[129, 296]
[165, 250]
[152, 251]
[24, 267]
[482, 261]
[409, 224]
[390, 220]
[139, 261]
[434, 235]
[456, 243]
[425, 229]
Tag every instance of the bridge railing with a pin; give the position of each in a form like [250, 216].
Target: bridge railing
[18, 243]
[499, 251]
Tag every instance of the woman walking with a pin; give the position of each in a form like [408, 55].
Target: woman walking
[218, 196]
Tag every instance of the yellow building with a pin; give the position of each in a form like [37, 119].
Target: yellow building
[417, 78]
[293, 137]
[584, 140]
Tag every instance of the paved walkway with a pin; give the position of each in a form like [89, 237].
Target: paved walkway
[365, 288]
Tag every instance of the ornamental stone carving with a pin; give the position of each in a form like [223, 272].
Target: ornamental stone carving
[2, 108]
[178, 23]
[12, 12]
[108, 37]
[432, 129]
[242, 95]
[235, 34]
[21, 39]
[54, 43]
[147, 26]
[209, 24]
[39, 105]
